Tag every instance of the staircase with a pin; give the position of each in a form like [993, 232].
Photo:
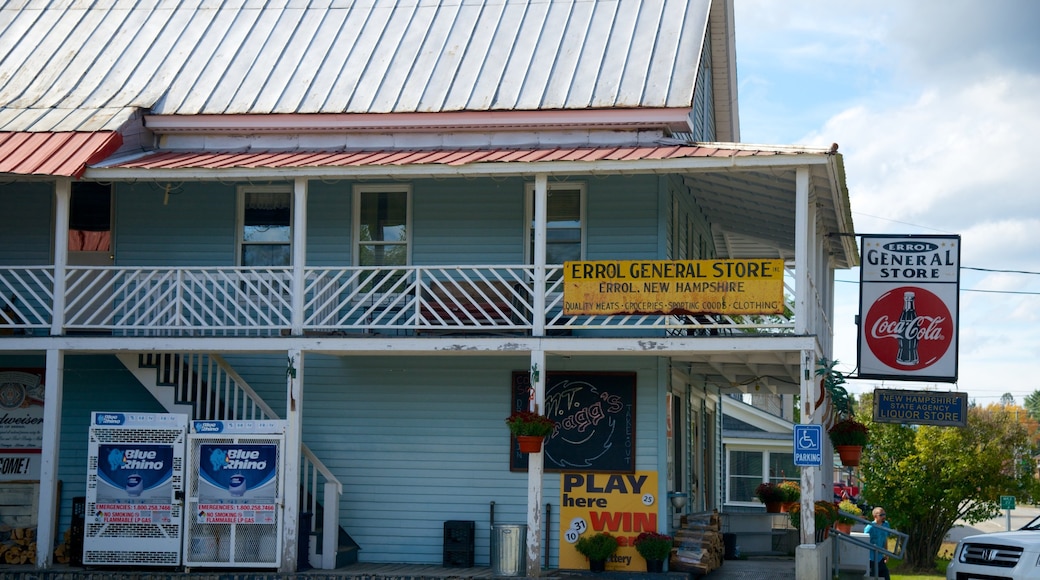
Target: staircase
[205, 387]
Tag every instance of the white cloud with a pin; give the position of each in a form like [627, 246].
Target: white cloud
[934, 106]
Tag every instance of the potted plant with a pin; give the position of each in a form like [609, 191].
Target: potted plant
[825, 513]
[849, 436]
[654, 548]
[791, 492]
[597, 548]
[530, 428]
[845, 523]
[771, 495]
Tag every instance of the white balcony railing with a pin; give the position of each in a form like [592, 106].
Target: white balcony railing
[415, 300]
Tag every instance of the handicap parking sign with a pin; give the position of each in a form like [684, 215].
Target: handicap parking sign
[808, 451]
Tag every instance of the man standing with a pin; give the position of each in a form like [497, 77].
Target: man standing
[879, 538]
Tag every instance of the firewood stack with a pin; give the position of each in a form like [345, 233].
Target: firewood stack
[17, 545]
[698, 544]
[63, 553]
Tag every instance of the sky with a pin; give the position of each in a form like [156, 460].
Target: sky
[935, 106]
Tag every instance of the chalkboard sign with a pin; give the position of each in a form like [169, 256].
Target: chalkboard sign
[595, 421]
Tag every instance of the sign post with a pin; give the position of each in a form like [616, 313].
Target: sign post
[1007, 503]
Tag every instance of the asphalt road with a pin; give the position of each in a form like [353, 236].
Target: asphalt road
[1020, 516]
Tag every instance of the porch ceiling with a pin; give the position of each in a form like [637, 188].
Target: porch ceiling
[775, 372]
[753, 212]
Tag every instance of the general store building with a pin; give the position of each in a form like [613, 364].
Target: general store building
[354, 217]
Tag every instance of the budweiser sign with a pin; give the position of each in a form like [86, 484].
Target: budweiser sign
[908, 308]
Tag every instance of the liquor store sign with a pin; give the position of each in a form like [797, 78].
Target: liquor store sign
[753, 286]
[945, 409]
[909, 288]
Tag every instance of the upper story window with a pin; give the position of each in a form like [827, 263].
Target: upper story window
[90, 217]
[382, 220]
[564, 223]
[265, 232]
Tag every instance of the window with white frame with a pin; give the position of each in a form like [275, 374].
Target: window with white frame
[564, 223]
[748, 468]
[382, 220]
[265, 226]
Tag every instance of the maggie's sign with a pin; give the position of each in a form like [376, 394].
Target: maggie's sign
[909, 289]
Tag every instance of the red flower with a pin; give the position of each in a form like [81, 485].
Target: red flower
[529, 423]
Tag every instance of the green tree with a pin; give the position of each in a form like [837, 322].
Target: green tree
[1032, 405]
[1007, 399]
[928, 477]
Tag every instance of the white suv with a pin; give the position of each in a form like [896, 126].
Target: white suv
[1004, 555]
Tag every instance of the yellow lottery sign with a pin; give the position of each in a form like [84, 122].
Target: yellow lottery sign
[754, 286]
[624, 504]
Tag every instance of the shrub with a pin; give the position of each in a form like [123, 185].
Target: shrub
[598, 546]
[653, 546]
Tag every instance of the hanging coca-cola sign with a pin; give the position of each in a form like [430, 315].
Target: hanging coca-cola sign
[908, 307]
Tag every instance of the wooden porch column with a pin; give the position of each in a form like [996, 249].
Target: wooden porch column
[299, 253]
[805, 233]
[293, 443]
[541, 203]
[62, 202]
[48, 508]
[534, 470]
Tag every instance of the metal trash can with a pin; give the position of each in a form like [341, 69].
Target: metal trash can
[508, 550]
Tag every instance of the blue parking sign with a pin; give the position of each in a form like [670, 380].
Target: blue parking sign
[808, 445]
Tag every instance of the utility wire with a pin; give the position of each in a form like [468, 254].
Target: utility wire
[983, 291]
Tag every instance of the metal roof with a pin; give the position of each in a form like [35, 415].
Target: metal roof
[64, 154]
[70, 65]
[414, 157]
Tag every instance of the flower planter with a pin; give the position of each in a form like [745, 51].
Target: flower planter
[655, 566]
[774, 507]
[529, 443]
[849, 454]
[597, 565]
[843, 528]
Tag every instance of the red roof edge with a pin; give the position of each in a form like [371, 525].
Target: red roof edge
[65, 154]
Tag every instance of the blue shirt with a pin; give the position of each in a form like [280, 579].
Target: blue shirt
[878, 537]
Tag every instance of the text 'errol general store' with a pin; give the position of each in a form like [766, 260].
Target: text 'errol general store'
[674, 287]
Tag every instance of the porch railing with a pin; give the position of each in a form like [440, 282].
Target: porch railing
[413, 300]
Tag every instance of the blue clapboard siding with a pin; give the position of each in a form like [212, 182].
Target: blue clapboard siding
[468, 222]
[27, 240]
[195, 228]
[454, 222]
[417, 441]
[329, 223]
[623, 218]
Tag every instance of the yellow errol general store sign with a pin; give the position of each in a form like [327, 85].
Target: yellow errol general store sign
[753, 286]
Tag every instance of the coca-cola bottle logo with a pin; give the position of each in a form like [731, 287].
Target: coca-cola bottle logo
[908, 328]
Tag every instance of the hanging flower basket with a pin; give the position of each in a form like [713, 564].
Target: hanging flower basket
[530, 429]
[849, 454]
[848, 437]
[529, 443]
